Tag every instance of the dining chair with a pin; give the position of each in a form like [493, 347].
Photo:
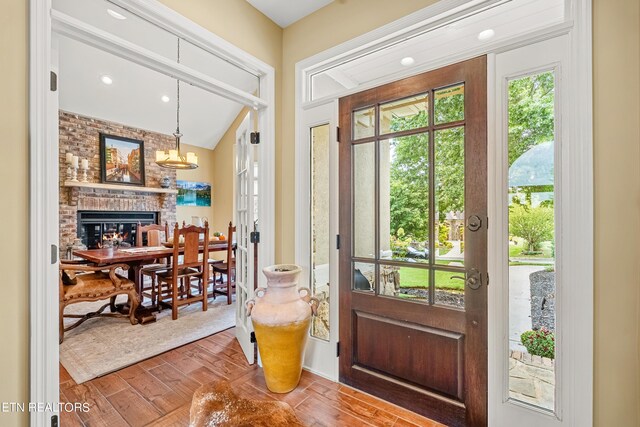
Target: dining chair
[81, 283]
[227, 268]
[174, 285]
[154, 237]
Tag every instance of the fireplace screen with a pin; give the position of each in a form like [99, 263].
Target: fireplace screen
[97, 229]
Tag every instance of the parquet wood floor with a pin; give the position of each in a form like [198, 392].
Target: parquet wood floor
[157, 391]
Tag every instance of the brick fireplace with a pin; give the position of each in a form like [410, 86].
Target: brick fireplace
[80, 135]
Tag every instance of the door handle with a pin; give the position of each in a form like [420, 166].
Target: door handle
[473, 279]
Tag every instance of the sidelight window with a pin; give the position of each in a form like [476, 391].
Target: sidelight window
[531, 240]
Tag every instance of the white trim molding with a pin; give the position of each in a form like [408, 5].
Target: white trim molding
[43, 228]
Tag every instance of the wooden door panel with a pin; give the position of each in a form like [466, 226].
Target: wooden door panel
[408, 352]
[427, 357]
[422, 314]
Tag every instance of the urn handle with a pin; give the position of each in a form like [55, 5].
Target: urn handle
[249, 306]
[312, 301]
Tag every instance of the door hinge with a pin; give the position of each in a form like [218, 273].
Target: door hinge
[253, 337]
[338, 133]
[255, 137]
[337, 241]
[54, 254]
[254, 237]
[338, 349]
[53, 81]
[487, 279]
[54, 421]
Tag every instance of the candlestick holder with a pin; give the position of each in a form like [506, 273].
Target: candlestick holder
[69, 172]
[85, 177]
[74, 177]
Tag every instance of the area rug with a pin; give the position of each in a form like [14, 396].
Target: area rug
[103, 345]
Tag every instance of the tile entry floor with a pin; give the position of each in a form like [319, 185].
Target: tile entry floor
[157, 391]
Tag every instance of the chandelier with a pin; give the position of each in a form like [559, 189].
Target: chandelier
[174, 159]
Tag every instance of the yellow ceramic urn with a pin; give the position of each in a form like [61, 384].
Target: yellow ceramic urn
[281, 316]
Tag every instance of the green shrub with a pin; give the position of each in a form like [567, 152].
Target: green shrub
[443, 232]
[535, 225]
[539, 343]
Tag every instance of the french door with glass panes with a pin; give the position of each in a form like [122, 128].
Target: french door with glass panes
[245, 220]
[413, 242]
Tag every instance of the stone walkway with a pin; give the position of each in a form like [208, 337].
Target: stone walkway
[532, 379]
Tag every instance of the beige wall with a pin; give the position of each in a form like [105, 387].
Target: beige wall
[204, 173]
[617, 180]
[617, 211]
[14, 191]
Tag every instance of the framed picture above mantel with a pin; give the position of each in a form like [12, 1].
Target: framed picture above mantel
[121, 160]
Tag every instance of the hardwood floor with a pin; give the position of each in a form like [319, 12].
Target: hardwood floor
[157, 391]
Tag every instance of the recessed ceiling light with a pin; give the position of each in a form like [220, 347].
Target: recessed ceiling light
[165, 98]
[106, 79]
[115, 14]
[486, 34]
[407, 61]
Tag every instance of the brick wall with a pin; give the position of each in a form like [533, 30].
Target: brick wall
[81, 136]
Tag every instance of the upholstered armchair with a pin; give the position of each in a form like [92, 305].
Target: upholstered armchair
[80, 283]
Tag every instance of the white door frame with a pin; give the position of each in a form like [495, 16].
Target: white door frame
[43, 129]
[577, 407]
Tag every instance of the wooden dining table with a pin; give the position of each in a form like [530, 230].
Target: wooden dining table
[136, 258]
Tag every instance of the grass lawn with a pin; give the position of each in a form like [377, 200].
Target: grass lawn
[419, 278]
[443, 250]
[515, 250]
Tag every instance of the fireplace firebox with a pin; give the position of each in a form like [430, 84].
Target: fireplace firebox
[97, 227]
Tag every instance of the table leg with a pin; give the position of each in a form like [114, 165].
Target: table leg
[143, 314]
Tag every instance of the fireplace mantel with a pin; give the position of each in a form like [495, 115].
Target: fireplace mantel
[138, 189]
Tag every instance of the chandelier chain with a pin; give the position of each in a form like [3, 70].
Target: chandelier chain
[178, 95]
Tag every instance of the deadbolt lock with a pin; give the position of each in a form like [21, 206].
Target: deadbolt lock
[474, 223]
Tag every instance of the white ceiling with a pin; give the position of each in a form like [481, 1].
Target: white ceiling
[134, 98]
[512, 18]
[286, 12]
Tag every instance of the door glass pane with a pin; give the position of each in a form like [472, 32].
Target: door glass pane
[449, 104]
[320, 250]
[363, 277]
[450, 286]
[364, 200]
[404, 198]
[405, 114]
[532, 279]
[449, 195]
[364, 123]
[404, 282]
